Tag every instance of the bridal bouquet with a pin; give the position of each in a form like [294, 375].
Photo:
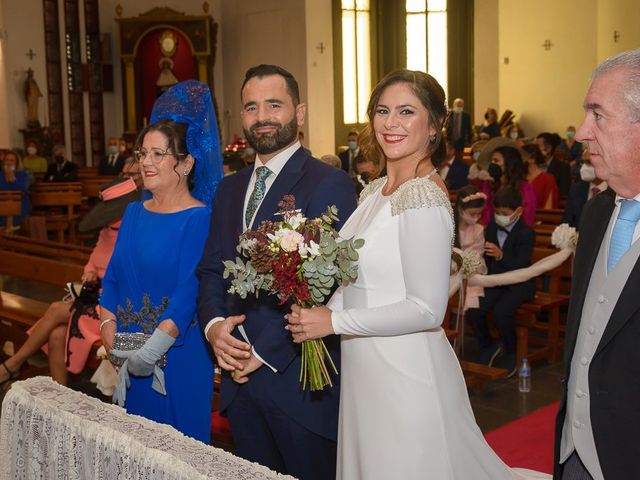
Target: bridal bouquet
[301, 260]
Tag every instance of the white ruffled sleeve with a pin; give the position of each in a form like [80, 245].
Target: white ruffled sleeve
[424, 238]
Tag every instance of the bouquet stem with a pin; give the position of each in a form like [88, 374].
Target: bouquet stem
[313, 367]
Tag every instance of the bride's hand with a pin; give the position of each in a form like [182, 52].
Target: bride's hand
[309, 323]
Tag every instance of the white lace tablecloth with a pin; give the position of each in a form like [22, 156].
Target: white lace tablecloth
[49, 431]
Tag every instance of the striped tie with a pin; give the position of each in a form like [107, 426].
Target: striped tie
[622, 235]
[257, 195]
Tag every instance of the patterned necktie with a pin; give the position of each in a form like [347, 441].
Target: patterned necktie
[257, 195]
[622, 235]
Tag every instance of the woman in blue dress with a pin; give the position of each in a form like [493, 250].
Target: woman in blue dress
[12, 178]
[150, 285]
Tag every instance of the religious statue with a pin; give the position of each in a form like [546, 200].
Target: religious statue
[32, 96]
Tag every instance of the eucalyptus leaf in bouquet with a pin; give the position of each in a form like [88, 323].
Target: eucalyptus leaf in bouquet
[301, 260]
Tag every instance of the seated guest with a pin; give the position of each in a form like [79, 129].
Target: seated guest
[365, 171]
[548, 142]
[333, 160]
[515, 134]
[490, 127]
[12, 178]
[508, 170]
[570, 149]
[478, 173]
[544, 184]
[469, 235]
[453, 170]
[347, 157]
[509, 245]
[69, 327]
[32, 161]
[582, 191]
[62, 170]
[112, 163]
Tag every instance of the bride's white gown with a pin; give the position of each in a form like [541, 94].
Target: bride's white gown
[404, 407]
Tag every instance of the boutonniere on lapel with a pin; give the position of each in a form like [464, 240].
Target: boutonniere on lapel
[299, 260]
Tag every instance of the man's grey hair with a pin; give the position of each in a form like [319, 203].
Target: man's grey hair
[630, 62]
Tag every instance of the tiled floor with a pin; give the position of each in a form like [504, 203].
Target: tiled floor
[497, 404]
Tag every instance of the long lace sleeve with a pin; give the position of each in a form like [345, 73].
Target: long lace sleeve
[424, 238]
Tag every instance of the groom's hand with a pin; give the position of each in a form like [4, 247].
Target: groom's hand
[228, 350]
[248, 366]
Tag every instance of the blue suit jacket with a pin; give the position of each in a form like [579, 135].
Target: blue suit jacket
[458, 175]
[315, 185]
[575, 203]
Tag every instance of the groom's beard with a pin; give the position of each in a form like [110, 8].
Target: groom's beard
[272, 142]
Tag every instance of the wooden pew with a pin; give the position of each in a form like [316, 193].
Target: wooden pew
[547, 343]
[91, 186]
[47, 262]
[65, 195]
[10, 206]
[551, 216]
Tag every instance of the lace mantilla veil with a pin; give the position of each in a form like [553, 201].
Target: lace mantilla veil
[190, 102]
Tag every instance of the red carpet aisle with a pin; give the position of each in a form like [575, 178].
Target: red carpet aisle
[528, 441]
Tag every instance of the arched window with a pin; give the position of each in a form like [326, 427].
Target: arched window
[356, 59]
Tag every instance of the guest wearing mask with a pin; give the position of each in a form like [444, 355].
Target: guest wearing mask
[478, 173]
[510, 243]
[62, 170]
[453, 170]
[459, 126]
[544, 184]
[347, 157]
[571, 149]
[582, 191]
[12, 178]
[34, 162]
[515, 134]
[113, 162]
[490, 127]
[548, 143]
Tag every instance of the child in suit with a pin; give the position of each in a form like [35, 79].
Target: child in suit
[509, 245]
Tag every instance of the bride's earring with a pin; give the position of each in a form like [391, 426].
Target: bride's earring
[186, 172]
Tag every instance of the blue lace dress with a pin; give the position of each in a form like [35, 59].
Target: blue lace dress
[151, 277]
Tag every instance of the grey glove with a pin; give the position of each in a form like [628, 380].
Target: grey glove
[143, 361]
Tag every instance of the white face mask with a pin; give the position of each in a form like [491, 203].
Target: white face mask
[587, 172]
[11, 168]
[32, 150]
[476, 156]
[457, 109]
[514, 135]
[504, 220]
[468, 219]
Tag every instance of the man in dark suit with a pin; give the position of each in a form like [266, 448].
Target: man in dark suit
[114, 161]
[548, 142]
[459, 126]
[509, 245]
[599, 420]
[62, 169]
[453, 170]
[348, 156]
[273, 421]
[582, 191]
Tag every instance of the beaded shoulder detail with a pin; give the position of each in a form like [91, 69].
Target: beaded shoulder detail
[419, 193]
[372, 187]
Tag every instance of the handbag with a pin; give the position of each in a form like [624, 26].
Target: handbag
[125, 341]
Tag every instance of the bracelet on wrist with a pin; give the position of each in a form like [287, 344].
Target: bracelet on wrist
[104, 322]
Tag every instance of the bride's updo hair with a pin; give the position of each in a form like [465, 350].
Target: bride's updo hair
[432, 97]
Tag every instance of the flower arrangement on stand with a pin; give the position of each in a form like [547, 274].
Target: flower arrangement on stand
[300, 260]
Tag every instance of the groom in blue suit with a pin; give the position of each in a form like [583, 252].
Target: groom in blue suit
[273, 421]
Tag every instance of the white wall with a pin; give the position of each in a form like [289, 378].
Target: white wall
[545, 88]
[320, 128]
[261, 31]
[485, 40]
[22, 31]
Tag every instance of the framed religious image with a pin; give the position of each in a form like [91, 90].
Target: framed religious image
[168, 43]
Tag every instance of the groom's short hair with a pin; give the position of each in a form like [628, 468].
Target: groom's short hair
[268, 70]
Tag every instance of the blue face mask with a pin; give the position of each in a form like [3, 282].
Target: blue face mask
[571, 134]
[113, 149]
[352, 144]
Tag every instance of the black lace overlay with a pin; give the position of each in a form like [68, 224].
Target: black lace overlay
[146, 318]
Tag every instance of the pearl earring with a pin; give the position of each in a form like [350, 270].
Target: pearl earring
[186, 172]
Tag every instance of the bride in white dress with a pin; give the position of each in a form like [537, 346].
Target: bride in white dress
[404, 407]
